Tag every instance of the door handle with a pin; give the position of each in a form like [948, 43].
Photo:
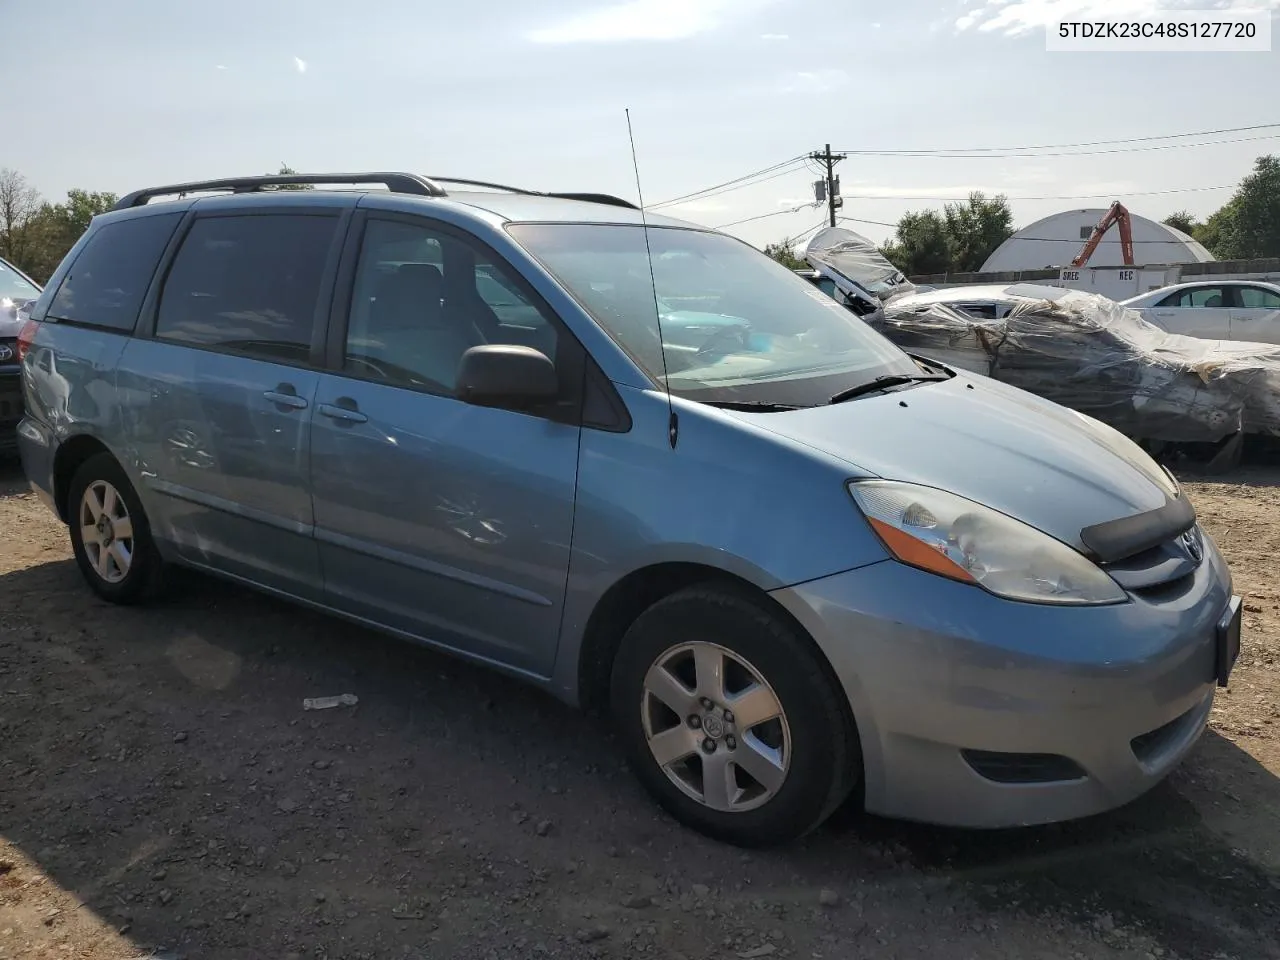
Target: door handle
[285, 396]
[342, 412]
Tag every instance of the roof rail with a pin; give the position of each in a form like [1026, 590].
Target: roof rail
[596, 198]
[483, 183]
[584, 197]
[410, 183]
[395, 182]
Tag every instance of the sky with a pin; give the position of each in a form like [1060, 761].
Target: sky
[116, 96]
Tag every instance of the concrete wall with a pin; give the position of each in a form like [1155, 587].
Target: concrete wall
[1118, 283]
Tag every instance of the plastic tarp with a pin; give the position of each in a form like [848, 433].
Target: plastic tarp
[1093, 355]
[854, 257]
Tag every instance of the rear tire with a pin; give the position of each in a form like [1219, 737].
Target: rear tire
[684, 667]
[110, 535]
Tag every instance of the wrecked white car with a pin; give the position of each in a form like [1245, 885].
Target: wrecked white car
[1078, 349]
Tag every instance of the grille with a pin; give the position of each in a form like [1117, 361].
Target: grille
[1162, 570]
[1023, 767]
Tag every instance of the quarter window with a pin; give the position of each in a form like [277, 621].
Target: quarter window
[109, 278]
[249, 283]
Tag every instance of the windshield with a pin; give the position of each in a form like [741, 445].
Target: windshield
[14, 287]
[736, 325]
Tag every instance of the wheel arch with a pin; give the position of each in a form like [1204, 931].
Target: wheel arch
[628, 597]
[71, 453]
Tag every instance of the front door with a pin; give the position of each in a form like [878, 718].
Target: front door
[443, 520]
[1199, 311]
[219, 399]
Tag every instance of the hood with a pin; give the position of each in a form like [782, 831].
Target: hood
[1048, 466]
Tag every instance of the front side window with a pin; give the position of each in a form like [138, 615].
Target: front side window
[249, 284]
[13, 286]
[1211, 297]
[423, 297]
[110, 276]
[1259, 298]
[735, 325]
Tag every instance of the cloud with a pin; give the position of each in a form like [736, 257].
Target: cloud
[775, 36]
[300, 65]
[816, 81]
[645, 20]
[221, 66]
[1018, 17]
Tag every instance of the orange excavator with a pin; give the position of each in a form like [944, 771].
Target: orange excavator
[1117, 214]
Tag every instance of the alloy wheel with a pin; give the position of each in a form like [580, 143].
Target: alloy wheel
[107, 531]
[716, 727]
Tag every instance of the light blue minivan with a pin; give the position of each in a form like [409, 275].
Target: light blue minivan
[643, 466]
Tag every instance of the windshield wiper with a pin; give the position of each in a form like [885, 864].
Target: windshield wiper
[883, 383]
[751, 406]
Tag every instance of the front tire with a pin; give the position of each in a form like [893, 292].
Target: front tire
[110, 535]
[731, 718]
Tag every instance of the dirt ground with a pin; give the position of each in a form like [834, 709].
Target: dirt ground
[163, 793]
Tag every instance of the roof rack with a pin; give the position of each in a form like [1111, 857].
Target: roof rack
[395, 182]
[584, 197]
[596, 198]
[410, 183]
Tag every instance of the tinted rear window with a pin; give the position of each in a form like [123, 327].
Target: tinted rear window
[109, 277]
[248, 284]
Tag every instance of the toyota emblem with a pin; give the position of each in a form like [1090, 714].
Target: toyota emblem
[6, 352]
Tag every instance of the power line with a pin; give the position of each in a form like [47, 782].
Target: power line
[902, 154]
[791, 241]
[753, 183]
[727, 183]
[978, 153]
[1014, 236]
[764, 216]
[878, 223]
[1088, 143]
[1076, 196]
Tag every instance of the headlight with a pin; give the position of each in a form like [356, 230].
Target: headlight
[957, 538]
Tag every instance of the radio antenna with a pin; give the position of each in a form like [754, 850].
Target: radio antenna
[673, 424]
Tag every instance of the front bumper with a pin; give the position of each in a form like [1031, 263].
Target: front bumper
[10, 408]
[936, 670]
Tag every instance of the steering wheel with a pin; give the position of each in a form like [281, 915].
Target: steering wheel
[740, 330]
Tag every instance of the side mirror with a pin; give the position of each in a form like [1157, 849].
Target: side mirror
[506, 375]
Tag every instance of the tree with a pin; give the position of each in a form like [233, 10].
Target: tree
[1252, 227]
[1182, 220]
[921, 244]
[1213, 233]
[19, 204]
[57, 226]
[286, 170]
[785, 254]
[974, 228]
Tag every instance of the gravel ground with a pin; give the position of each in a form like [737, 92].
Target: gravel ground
[162, 793]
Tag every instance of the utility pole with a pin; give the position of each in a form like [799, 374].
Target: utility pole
[829, 187]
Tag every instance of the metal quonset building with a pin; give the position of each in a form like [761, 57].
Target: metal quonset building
[1055, 240]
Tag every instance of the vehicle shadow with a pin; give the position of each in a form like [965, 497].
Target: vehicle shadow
[12, 481]
[158, 764]
[1163, 861]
